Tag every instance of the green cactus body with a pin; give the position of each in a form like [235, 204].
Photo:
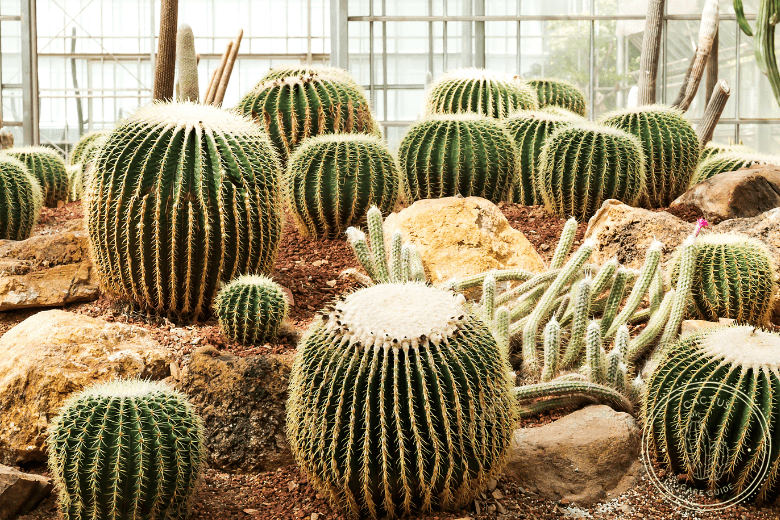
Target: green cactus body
[733, 278]
[554, 92]
[481, 92]
[333, 180]
[582, 165]
[21, 199]
[286, 72]
[712, 406]
[193, 192]
[49, 168]
[92, 149]
[671, 150]
[126, 449]
[530, 130]
[251, 309]
[400, 401]
[85, 144]
[294, 108]
[467, 154]
[711, 149]
[729, 162]
[76, 182]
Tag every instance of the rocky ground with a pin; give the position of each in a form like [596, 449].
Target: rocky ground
[311, 270]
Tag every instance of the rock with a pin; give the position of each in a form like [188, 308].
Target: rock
[739, 194]
[47, 271]
[53, 354]
[626, 232]
[689, 327]
[461, 236]
[584, 457]
[20, 492]
[242, 403]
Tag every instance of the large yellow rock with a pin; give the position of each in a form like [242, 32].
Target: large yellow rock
[460, 236]
[53, 354]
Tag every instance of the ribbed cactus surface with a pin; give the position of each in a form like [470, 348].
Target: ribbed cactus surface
[479, 91]
[728, 162]
[333, 180]
[530, 129]
[183, 197]
[671, 150]
[400, 402]
[126, 449]
[711, 149]
[76, 181]
[286, 72]
[712, 411]
[251, 309]
[85, 143]
[21, 199]
[733, 278]
[48, 167]
[583, 164]
[555, 92]
[468, 154]
[294, 108]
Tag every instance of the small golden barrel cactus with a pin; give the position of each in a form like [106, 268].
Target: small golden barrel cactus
[400, 401]
[21, 199]
[558, 93]
[730, 161]
[47, 166]
[87, 142]
[251, 309]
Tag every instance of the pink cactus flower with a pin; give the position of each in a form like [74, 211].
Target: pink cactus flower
[700, 224]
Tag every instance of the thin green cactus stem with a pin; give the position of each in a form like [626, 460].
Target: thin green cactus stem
[613, 362]
[595, 355]
[646, 276]
[416, 267]
[377, 236]
[21, 198]
[396, 262]
[638, 346]
[604, 278]
[622, 339]
[656, 291]
[564, 244]
[488, 302]
[552, 349]
[186, 64]
[501, 330]
[533, 409]
[357, 241]
[579, 324]
[406, 273]
[562, 307]
[593, 392]
[541, 279]
[687, 266]
[613, 300]
[501, 275]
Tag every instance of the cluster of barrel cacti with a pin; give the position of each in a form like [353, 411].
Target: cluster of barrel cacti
[48, 168]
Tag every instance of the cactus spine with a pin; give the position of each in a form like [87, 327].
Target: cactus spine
[400, 402]
[186, 64]
[332, 181]
[286, 72]
[76, 182]
[251, 309]
[481, 92]
[582, 164]
[21, 199]
[86, 143]
[200, 204]
[729, 162]
[126, 449]
[49, 168]
[554, 92]
[467, 154]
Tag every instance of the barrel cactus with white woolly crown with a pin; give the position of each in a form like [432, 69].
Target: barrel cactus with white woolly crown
[286, 72]
[400, 402]
[555, 92]
[671, 150]
[712, 411]
[466, 154]
[126, 449]
[47, 166]
[728, 162]
[251, 309]
[21, 199]
[199, 204]
[583, 164]
[530, 129]
[333, 180]
[294, 108]
[479, 91]
[79, 154]
[734, 278]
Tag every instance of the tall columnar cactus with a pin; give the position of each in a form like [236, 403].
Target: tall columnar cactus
[729, 162]
[711, 149]
[332, 181]
[86, 143]
[200, 203]
[21, 199]
[49, 168]
[712, 409]
[530, 130]
[554, 92]
[251, 309]
[671, 149]
[186, 65]
[76, 182]
[467, 154]
[583, 164]
[126, 449]
[294, 108]
[733, 278]
[400, 401]
[479, 91]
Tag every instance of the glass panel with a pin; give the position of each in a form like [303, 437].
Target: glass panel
[555, 7]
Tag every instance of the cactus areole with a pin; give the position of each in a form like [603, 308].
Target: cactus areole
[184, 197]
[400, 402]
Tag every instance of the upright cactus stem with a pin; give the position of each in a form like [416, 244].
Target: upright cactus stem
[396, 262]
[687, 265]
[579, 323]
[377, 235]
[564, 243]
[489, 299]
[613, 300]
[552, 349]
[501, 330]
[186, 64]
[646, 276]
[357, 241]
[594, 351]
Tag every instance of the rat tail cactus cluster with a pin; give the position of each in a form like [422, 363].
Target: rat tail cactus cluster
[558, 93]
[251, 309]
[21, 199]
[48, 167]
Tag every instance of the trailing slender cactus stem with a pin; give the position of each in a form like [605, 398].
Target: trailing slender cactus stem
[564, 243]
[489, 299]
[552, 349]
[165, 68]
[377, 237]
[539, 279]
[474, 280]
[580, 323]
[638, 346]
[613, 300]
[595, 356]
[594, 392]
[684, 283]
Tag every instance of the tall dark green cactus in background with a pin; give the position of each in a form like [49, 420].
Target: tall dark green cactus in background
[764, 39]
[21, 199]
[730, 161]
[400, 402]
[467, 154]
[251, 309]
[294, 108]
[126, 449]
[555, 92]
[479, 91]
[86, 143]
[48, 167]
[671, 149]
[332, 181]
[200, 204]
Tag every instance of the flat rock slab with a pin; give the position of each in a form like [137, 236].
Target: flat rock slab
[20, 492]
